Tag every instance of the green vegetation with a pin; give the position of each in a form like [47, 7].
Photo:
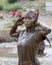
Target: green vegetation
[8, 25]
[42, 4]
[1, 16]
[14, 19]
[1, 7]
[20, 5]
[12, 7]
[12, 1]
[31, 0]
[11, 22]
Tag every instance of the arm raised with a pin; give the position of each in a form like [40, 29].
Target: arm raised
[13, 32]
[45, 29]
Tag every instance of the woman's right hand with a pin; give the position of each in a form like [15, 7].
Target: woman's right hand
[20, 21]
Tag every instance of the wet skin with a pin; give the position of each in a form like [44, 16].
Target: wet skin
[28, 39]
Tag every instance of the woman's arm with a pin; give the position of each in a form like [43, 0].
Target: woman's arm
[13, 32]
[45, 29]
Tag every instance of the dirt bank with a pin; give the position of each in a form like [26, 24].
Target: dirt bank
[5, 36]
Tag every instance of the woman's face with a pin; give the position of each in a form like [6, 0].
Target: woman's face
[29, 19]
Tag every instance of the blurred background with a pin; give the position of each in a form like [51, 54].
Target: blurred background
[7, 7]
[9, 14]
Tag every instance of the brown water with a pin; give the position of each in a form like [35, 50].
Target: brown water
[8, 55]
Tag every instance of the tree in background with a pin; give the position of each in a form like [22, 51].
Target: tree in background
[12, 1]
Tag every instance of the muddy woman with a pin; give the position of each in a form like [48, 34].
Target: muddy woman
[30, 38]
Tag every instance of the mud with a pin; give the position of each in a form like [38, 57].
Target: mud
[9, 54]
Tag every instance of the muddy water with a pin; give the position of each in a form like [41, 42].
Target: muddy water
[9, 55]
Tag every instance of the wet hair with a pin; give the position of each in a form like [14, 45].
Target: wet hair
[30, 12]
[33, 13]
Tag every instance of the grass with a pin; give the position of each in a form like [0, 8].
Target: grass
[8, 25]
[12, 7]
[21, 5]
[14, 19]
[11, 22]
